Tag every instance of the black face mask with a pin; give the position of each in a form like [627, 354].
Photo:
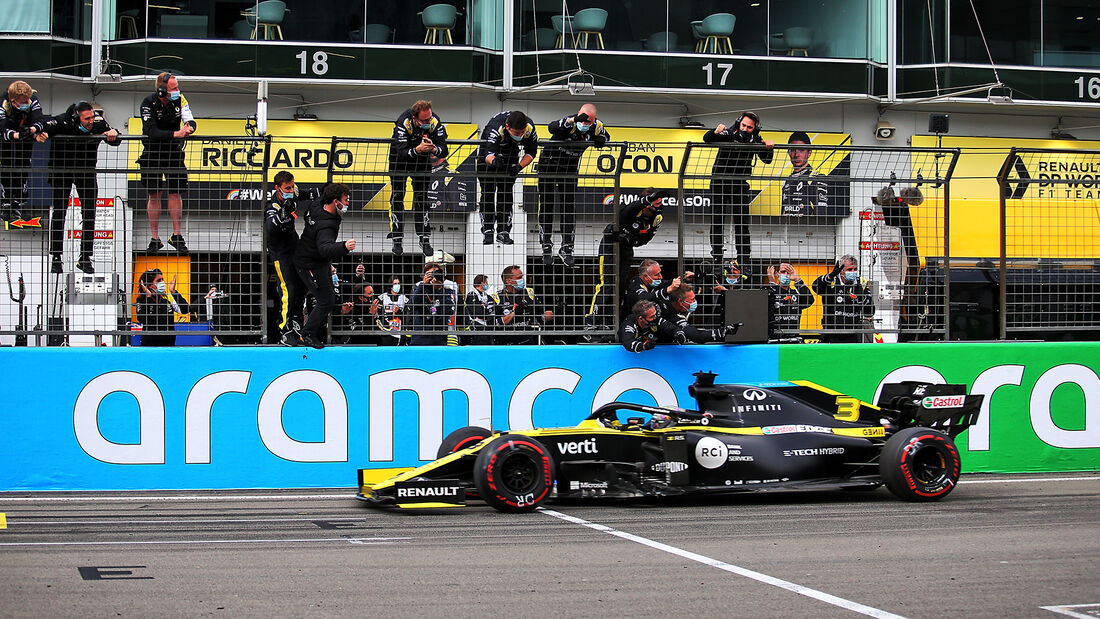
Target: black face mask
[743, 136]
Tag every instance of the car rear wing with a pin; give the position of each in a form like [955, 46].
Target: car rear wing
[947, 408]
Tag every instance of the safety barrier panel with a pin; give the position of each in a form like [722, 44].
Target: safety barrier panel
[189, 418]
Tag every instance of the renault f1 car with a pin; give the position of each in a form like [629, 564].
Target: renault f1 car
[743, 438]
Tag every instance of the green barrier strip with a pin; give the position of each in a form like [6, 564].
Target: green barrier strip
[1042, 408]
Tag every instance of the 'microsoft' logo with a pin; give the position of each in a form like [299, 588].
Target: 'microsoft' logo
[943, 401]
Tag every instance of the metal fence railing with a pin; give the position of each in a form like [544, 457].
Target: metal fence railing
[782, 218]
[90, 235]
[1050, 245]
[89, 275]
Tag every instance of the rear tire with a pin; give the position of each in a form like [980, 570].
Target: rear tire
[514, 473]
[918, 464]
[461, 439]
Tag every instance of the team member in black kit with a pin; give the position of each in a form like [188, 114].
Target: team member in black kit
[73, 162]
[316, 250]
[789, 295]
[166, 119]
[418, 137]
[479, 311]
[649, 285]
[638, 222]
[502, 140]
[804, 193]
[282, 240]
[569, 137]
[21, 124]
[681, 304]
[644, 327]
[517, 307]
[846, 302]
[730, 196]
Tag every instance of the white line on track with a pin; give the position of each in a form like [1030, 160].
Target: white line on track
[740, 571]
[346, 540]
[1066, 610]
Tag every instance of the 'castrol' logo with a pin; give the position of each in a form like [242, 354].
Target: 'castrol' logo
[943, 401]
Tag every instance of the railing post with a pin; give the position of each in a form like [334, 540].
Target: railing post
[1002, 184]
[263, 245]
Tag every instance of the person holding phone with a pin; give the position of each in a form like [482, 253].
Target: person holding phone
[157, 305]
[419, 136]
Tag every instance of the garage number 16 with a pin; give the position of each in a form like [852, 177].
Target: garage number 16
[320, 62]
[724, 67]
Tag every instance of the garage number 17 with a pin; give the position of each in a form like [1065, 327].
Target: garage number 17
[724, 67]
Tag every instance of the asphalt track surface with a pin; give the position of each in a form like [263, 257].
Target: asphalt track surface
[999, 546]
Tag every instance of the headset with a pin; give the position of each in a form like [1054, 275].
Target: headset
[755, 122]
[75, 116]
[162, 84]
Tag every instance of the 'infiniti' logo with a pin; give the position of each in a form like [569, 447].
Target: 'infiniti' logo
[754, 394]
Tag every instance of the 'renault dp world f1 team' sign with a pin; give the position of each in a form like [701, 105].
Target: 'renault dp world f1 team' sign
[276, 417]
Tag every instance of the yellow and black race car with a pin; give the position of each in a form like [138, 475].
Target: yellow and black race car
[744, 438]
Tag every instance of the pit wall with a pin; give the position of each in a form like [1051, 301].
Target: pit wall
[119, 419]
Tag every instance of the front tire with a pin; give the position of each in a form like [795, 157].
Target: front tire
[918, 464]
[514, 473]
[461, 439]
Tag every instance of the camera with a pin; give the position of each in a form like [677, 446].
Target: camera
[657, 195]
[439, 275]
[884, 130]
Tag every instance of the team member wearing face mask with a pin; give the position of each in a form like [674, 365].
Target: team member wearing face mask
[637, 224]
[21, 124]
[158, 303]
[389, 317]
[418, 136]
[316, 251]
[569, 137]
[480, 311]
[730, 193]
[517, 308]
[73, 156]
[651, 285]
[166, 120]
[678, 310]
[282, 240]
[846, 303]
[789, 295]
[508, 145]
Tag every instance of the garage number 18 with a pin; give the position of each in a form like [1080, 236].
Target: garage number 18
[319, 66]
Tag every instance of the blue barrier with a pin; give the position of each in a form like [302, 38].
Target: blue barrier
[126, 418]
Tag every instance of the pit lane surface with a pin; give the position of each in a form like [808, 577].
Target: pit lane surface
[998, 546]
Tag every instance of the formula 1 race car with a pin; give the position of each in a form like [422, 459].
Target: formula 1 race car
[744, 438]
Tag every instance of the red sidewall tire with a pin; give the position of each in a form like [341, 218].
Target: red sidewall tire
[461, 439]
[514, 473]
[919, 464]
